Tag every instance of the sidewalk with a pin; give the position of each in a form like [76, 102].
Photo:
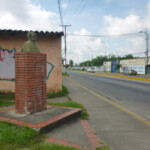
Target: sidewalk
[114, 127]
[76, 133]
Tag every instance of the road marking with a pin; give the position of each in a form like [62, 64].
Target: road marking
[112, 103]
[117, 76]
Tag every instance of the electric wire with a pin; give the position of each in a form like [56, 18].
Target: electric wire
[76, 10]
[60, 13]
[85, 35]
[79, 12]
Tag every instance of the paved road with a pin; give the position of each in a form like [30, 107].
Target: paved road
[130, 94]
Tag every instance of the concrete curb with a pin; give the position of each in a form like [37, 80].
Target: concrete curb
[118, 76]
[47, 125]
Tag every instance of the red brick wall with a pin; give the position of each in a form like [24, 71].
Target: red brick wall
[30, 85]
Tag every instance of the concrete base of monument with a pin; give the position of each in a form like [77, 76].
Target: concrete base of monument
[44, 121]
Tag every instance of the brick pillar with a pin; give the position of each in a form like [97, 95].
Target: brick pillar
[30, 84]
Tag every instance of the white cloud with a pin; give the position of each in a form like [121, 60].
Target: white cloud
[133, 23]
[81, 48]
[24, 15]
[129, 24]
[133, 46]
[64, 5]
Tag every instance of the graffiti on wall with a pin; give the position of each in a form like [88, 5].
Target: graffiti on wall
[7, 65]
[139, 69]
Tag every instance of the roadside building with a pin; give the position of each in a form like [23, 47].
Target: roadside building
[107, 66]
[49, 43]
[138, 64]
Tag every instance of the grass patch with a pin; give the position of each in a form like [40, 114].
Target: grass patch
[6, 99]
[84, 116]
[15, 137]
[6, 103]
[7, 96]
[103, 148]
[62, 93]
[51, 146]
[65, 74]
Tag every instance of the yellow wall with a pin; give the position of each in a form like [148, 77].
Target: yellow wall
[49, 45]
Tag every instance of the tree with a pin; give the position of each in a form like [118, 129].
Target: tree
[98, 61]
[130, 56]
[71, 63]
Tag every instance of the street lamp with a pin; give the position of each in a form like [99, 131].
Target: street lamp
[147, 44]
[91, 52]
[105, 47]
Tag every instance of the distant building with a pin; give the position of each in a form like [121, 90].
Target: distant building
[107, 66]
[49, 43]
[137, 64]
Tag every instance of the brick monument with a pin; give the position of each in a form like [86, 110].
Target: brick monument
[30, 74]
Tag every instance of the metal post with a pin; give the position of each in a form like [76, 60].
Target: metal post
[147, 45]
[105, 47]
[65, 26]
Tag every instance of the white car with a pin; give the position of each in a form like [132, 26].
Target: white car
[92, 70]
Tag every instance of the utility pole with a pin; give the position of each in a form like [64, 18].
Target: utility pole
[147, 45]
[105, 47]
[65, 26]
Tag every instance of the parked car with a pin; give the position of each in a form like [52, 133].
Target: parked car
[92, 70]
[130, 72]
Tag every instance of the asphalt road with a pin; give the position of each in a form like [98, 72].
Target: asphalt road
[130, 94]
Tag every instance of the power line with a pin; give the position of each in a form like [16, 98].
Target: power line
[134, 53]
[68, 5]
[85, 35]
[80, 10]
[60, 12]
[75, 10]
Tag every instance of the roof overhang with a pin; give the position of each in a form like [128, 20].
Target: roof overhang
[52, 34]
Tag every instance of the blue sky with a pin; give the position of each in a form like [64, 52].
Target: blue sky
[89, 13]
[108, 17]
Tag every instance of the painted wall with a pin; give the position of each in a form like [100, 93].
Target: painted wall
[137, 64]
[107, 66]
[7, 64]
[49, 45]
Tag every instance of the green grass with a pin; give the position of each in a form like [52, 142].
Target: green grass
[15, 137]
[65, 74]
[7, 96]
[62, 93]
[103, 148]
[6, 103]
[6, 99]
[84, 116]
[51, 146]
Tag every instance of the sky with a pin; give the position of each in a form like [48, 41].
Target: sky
[86, 17]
